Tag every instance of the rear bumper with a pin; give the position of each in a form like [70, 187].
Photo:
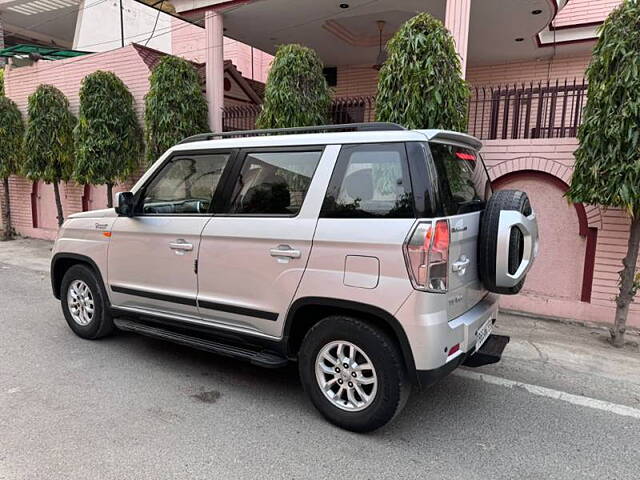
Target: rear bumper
[490, 352]
[431, 335]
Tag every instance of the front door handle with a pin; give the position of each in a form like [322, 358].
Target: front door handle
[285, 251]
[181, 244]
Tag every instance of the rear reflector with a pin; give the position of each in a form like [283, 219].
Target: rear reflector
[427, 256]
[453, 350]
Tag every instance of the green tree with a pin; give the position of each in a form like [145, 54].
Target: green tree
[1, 80]
[607, 168]
[48, 140]
[296, 93]
[11, 135]
[175, 107]
[108, 137]
[420, 83]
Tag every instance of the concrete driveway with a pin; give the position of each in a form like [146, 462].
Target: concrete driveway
[561, 405]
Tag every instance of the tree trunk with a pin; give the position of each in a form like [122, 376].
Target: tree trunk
[627, 282]
[6, 221]
[109, 195]
[56, 191]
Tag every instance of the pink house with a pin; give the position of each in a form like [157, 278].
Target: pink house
[524, 60]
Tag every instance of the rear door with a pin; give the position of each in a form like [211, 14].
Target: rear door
[464, 189]
[254, 251]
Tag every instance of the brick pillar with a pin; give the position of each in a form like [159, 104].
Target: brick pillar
[457, 22]
[214, 58]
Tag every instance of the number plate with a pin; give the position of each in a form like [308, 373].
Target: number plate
[483, 333]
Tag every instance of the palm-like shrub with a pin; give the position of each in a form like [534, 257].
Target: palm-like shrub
[607, 169]
[108, 137]
[420, 83]
[296, 93]
[48, 141]
[175, 107]
[11, 134]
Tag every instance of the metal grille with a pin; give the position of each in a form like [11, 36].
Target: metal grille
[542, 110]
[516, 111]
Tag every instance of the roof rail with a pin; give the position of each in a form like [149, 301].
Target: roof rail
[357, 127]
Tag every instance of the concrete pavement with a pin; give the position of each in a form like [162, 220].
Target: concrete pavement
[134, 407]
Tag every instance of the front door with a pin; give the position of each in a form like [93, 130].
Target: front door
[253, 254]
[152, 256]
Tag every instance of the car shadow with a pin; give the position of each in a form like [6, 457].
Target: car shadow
[451, 401]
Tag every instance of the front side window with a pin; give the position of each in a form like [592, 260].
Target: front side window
[273, 183]
[370, 181]
[185, 185]
[463, 178]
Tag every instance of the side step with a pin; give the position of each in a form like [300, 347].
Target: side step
[262, 359]
[490, 352]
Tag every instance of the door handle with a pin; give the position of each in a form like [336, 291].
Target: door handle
[181, 244]
[461, 265]
[285, 251]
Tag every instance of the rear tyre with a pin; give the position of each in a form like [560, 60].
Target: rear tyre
[353, 373]
[85, 304]
[488, 243]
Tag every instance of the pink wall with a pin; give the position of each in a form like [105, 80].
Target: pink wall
[563, 250]
[188, 41]
[67, 76]
[529, 71]
[584, 11]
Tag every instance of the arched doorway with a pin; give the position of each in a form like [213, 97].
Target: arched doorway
[564, 268]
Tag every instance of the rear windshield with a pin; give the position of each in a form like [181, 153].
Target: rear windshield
[462, 175]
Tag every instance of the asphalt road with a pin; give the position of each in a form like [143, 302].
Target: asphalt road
[134, 407]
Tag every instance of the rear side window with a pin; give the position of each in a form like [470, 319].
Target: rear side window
[370, 181]
[273, 183]
[463, 178]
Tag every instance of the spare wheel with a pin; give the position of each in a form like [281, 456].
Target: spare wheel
[508, 242]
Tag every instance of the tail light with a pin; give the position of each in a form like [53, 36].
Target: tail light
[427, 256]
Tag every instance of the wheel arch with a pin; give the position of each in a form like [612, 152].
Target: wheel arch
[61, 262]
[307, 311]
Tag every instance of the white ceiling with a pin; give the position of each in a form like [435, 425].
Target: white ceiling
[45, 20]
[495, 24]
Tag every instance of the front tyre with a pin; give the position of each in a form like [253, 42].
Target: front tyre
[85, 304]
[353, 373]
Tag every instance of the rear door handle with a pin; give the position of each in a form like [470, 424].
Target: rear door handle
[461, 265]
[181, 244]
[285, 251]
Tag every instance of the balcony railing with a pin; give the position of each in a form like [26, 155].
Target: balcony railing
[342, 110]
[542, 110]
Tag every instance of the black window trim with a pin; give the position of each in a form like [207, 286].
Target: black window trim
[233, 155]
[241, 158]
[340, 168]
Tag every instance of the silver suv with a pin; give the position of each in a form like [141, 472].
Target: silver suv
[366, 253]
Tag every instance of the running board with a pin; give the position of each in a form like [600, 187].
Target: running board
[490, 352]
[260, 358]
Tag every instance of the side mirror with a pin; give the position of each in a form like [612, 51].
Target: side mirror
[125, 204]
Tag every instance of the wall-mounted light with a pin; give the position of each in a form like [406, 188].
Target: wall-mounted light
[536, 12]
